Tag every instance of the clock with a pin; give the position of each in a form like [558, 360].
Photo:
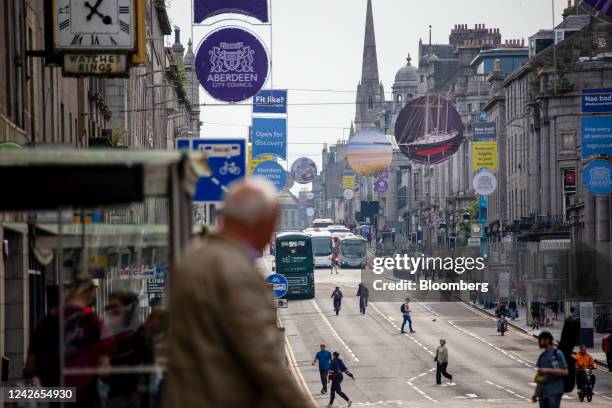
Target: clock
[90, 25]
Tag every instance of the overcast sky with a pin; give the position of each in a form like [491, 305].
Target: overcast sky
[318, 45]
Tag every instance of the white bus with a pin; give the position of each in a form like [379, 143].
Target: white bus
[353, 252]
[338, 230]
[322, 223]
[321, 247]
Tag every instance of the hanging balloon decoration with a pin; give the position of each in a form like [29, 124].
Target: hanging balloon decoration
[369, 152]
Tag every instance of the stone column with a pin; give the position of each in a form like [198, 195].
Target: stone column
[589, 219]
[602, 220]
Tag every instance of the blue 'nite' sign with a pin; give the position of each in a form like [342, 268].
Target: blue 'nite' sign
[597, 100]
[270, 101]
[596, 135]
[269, 136]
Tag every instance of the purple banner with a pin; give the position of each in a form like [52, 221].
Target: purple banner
[232, 64]
[203, 9]
[605, 6]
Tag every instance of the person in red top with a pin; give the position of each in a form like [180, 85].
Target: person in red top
[82, 333]
[335, 254]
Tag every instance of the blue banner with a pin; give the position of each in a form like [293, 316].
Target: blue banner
[597, 100]
[203, 9]
[269, 136]
[596, 135]
[270, 101]
[597, 177]
[227, 162]
[272, 171]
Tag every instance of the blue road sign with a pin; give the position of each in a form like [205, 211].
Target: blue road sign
[598, 100]
[596, 135]
[597, 177]
[270, 101]
[279, 283]
[227, 162]
[272, 171]
[270, 137]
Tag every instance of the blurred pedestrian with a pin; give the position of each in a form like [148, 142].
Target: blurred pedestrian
[224, 347]
[552, 367]
[441, 359]
[405, 310]
[336, 369]
[337, 299]
[324, 357]
[606, 347]
[82, 334]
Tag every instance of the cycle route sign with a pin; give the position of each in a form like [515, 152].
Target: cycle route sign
[227, 162]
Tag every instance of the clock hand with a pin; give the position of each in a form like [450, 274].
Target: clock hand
[94, 10]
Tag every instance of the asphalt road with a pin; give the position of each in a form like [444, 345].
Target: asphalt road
[397, 370]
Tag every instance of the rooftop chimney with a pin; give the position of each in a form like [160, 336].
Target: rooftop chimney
[177, 34]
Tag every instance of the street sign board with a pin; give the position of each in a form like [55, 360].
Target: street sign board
[227, 162]
[232, 64]
[569, 180]
[597, 100]
[348, 194]
[95, 64]
[281, 303]
[273, 172]
[474, 242]
[157, 285]
[270, 101]
[596, 135]
[484, 130]
[597, 177]
[270, 137]
[484, 156]
[279, 283]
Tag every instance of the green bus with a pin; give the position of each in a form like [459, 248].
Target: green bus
[295, 261]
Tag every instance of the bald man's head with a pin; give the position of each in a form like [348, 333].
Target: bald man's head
[250, 211]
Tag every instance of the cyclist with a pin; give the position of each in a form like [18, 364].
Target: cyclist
[337, 296]
[363, 294]
[584, 362]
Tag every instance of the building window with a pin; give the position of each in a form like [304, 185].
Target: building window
[469, 108]
[568, 141]
[422, 78]
[370, 103]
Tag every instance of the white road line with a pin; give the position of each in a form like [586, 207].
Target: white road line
[602, 396]
[417, 389]
[387, 318]
[508, 390]
[430, 310]
[504, 352]
[334, 332]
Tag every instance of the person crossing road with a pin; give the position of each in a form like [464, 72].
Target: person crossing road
[324, 357]
[337, 367]
[441, 360]
[405, 309]
[337, 297]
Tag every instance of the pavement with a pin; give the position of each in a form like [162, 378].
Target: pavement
[554, 328]
[397, 370]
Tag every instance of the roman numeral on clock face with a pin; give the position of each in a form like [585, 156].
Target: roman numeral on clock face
[124, 9]
[95, 40]
[64, 24]
[112, 40]
[77, 40]
[125, 27]
[64, 10]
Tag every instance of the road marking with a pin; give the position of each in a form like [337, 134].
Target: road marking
[508, 390]
[467, 396]
[488, 316]
[395, 325]
[430, 310]
[504, 352]
[296, 371]
[602, 396]
[417, 389]
[334, 332]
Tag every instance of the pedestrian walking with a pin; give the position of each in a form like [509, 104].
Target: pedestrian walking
[337, 299]
[324, 358]
[441, 359]
[337, 367]
[335, 255]
[363, 294]
[552, 367]
[606, 347]
[226, 354]
[405, 309]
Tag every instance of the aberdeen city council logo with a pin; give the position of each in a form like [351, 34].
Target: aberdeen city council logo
[232, 64]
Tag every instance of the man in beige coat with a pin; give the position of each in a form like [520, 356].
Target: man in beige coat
[224, 347]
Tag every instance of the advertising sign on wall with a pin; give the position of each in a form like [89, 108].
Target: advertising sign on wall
[596, 135]
[203, 9]
[429, 130]
[270, 137]
[484, 183]
[484, 130]
[270, 101]
[369, 152]
[271, 171]
[597, 100]
[232, 64]
[304, 170]
[484, 156]
[597, 177]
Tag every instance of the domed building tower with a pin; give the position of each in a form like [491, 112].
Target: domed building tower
[405, 87]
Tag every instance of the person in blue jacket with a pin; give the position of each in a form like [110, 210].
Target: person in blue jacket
[325, 358]
[336, 369]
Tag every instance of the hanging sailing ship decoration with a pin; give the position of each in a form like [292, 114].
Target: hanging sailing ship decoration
[429, 130]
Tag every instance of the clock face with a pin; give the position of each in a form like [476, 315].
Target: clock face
[94, 24]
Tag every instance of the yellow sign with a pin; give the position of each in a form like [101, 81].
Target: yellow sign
[348, 182]
[252, 163]
[484, 156]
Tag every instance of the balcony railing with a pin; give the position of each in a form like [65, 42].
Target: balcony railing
[536, 223]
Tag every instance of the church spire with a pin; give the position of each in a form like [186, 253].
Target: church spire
[369, 70]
